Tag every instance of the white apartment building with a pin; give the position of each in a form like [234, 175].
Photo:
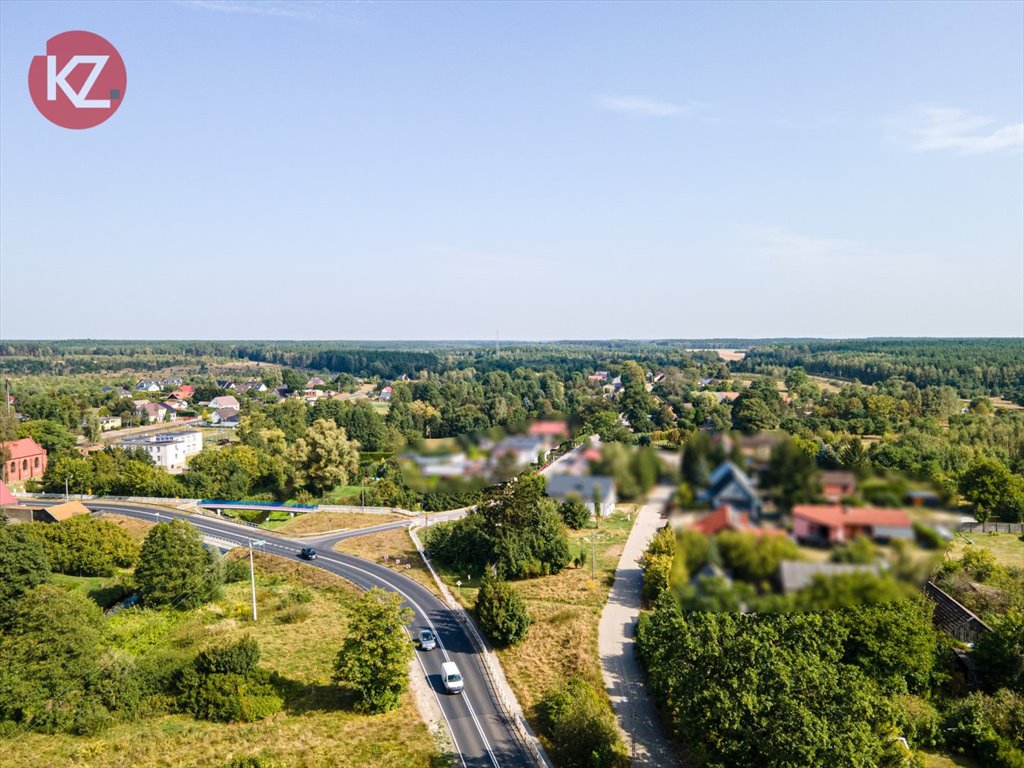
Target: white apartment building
[170, 449]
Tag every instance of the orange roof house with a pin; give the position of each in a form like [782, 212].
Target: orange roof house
[556, 429]
[835, 523]
[836, 485]
[725, 518]
[27, 460]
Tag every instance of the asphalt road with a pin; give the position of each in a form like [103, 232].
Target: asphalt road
[484, 737]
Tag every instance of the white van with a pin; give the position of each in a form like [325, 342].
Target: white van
[452, 677]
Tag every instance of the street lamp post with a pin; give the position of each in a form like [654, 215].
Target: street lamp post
[66, 496]
[252, 575]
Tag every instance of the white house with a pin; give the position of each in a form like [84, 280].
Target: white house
[168, 450]
[224, 417]
[154, 412]
[147, 385]
[561, 487]
[224, 401]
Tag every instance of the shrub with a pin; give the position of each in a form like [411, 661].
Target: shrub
[294, 614]
[574, 513]
[918, 721]
[83, 546]
[580, 727]
[175, 569]
[999, 654]
[502, 612]
[927, 537]
[224, 685]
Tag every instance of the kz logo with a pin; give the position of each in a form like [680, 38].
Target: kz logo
[80, 82]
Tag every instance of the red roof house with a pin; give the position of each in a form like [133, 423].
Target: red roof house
[555, 429]
[27, 460]
[835, 523]
[725, 518]
[7, 498]
[836, 485]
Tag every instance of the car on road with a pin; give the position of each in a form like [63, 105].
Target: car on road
[307, 553]
[427, 640]
[451, 677]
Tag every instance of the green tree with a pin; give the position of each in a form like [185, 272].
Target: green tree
[374, 658]
[51, 435]
[999, 654]
[793, 471]
[83, 546]
[574, 512]
[860, 550]
[502, 612]
[325, 457]
[49, 660]
[580, 727]
[175, 569]
[989, 487]
[755, 558]
[23, 565]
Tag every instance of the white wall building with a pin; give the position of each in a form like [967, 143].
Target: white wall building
[170, 449]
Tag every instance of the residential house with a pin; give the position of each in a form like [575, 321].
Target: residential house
[385, 395]
[520, 450]
[794, 575]
[598, 377]
[446, 465]
[731, 485]
[725, 397]
[224, 401]
[556, 431]
[837, 485]
[61, 512]
[225, 417]
[252, 386]
[26, 460]
[834, 523]
[108, 423]
[168, 450]
[315, 382]
[582, 488]
[155, 412]
[226, 384]
[706, 382]
[171, 382]
[725, 518]
[923, 498]
[175, 405]
[184, 392]
[147, 385]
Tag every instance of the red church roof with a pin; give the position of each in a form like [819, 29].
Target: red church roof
[24, 448]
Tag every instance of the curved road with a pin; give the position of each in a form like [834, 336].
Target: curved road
[483, 736]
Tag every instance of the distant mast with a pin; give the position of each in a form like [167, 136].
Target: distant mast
[497, 344]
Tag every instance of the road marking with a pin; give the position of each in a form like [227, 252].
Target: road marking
[394, 588]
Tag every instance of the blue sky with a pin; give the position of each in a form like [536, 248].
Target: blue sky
[538, 170]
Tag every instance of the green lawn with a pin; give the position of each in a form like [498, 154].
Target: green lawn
[1008, 548]
[317, 726]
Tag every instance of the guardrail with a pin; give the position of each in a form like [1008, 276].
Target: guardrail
[492, 669]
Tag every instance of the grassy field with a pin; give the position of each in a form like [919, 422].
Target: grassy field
[566, 609]
[1008, 548]
[317, 727]
[393, 545]
[318, 522]
[935, 760]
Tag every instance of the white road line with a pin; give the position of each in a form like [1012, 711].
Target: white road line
[426, 616]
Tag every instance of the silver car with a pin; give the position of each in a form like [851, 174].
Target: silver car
[427, 640]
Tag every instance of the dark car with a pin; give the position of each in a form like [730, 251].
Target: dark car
[307, 553]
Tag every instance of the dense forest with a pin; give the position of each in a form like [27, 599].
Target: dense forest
[971, 366]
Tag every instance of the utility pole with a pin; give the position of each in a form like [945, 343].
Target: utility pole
[66, 497]
[7, 384]
[252, 575]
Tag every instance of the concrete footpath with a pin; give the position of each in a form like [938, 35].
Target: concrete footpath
[623, 676]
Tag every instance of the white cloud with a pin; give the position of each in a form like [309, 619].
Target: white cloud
[931, 128]
[638, 105]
